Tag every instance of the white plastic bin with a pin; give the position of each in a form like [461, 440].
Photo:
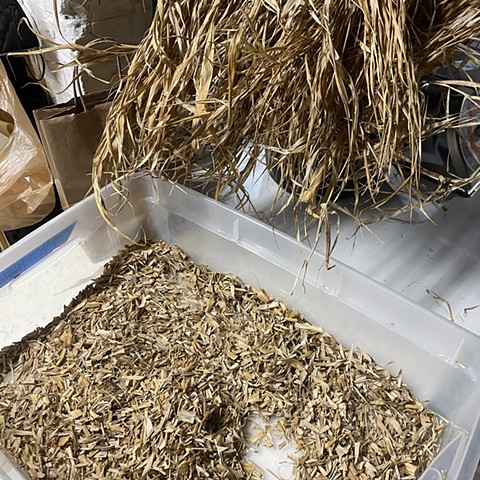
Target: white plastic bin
[440, 361]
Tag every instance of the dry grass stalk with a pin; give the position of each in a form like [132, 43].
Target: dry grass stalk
[4, 243]
[330, 89]
[153, 371]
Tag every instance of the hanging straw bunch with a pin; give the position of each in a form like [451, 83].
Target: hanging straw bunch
[326, 92]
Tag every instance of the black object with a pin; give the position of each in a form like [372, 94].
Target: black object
[453, 153]
[16, 36]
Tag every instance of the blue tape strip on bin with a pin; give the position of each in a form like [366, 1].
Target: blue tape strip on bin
[35, 256]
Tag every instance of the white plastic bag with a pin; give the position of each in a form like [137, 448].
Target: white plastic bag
[26, 185]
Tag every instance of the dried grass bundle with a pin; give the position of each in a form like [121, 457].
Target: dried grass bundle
[328, 89]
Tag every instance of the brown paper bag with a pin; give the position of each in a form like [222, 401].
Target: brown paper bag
[26, 191]
[71, 133]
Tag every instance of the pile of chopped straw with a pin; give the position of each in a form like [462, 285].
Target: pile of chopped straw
[329, 90]
[155, 369]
